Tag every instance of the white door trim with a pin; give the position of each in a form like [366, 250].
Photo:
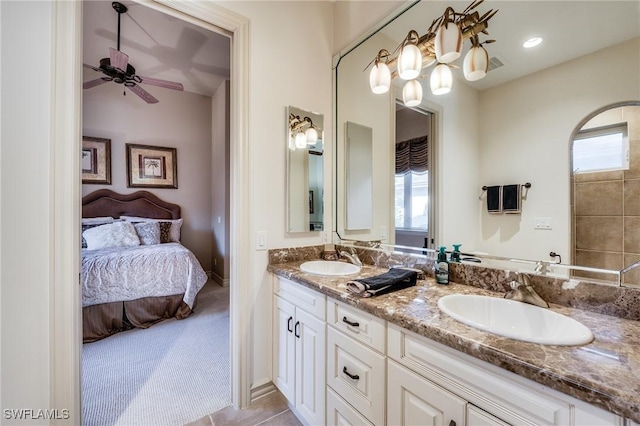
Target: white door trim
[66, 199]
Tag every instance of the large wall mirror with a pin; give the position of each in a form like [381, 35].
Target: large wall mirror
[305, 176]
[512, 127]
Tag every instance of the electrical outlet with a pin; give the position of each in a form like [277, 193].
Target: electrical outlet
[383, 232]
[326, 237]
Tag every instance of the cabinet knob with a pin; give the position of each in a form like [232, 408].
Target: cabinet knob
[354, 376]
[352, 324]
[452, 423]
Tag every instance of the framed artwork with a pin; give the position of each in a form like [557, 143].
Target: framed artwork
[310, 202]
[96, 160]
[151, 167]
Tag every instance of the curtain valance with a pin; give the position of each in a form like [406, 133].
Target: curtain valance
[412, 156]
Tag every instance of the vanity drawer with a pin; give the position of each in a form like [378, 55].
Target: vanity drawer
[357, 374]
[357, 324]
[304, 298]
[341, 413]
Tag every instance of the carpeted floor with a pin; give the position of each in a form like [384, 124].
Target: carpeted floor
[169, 374]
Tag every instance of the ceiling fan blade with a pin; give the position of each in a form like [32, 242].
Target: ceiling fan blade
[118, 59]
[94, 83]
[148, 98]
[162, 83]
[92, 67]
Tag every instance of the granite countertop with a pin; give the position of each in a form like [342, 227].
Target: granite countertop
[605, 373]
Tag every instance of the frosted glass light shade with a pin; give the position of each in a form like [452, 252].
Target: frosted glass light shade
[441, 80]
[312, 136]
[412, 93]
[380, 78]
[301, 140]
[476, 63]
[448, 43]
[409, 62]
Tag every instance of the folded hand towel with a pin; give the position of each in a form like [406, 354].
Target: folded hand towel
[512, 198]
[494, 199]
[395, 279]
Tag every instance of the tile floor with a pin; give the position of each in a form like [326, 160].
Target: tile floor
[271, 410]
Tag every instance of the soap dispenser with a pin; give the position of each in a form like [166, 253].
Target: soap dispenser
[455, 254]
[441, 267]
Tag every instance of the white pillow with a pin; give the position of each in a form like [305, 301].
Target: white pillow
[174, 234]
[97, 220]
[117, 234]
[148, 232]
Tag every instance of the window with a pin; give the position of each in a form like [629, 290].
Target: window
[601, 149]
[412, 201]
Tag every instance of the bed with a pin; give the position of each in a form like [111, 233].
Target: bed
[132, 280]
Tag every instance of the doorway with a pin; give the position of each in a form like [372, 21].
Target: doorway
[414, 177]
[65, 311]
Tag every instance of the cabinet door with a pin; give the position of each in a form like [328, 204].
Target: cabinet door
[310, 367]
[339, 413]
[413, 400]
[284, 347]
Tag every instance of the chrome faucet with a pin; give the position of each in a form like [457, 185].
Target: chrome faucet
[351, 257]
[542, 267]
[522, 291]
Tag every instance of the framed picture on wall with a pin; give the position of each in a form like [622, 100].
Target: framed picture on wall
[151, 167]
[96, 160]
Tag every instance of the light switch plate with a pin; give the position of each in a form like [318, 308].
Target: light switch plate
[261, 240]
[543, 223]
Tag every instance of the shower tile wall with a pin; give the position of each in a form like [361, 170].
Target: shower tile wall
[606, 207]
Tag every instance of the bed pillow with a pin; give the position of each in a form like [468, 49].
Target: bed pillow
[148, 232]
[117, 234]
[92, 222]
[174, 233]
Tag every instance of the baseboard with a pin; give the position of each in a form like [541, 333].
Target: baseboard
[261, 390]
[222, 282]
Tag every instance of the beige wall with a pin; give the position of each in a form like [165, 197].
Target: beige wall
[606, 213]
[181, 120]
[525, 127]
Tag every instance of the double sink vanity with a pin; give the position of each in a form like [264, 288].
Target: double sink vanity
[439, 354]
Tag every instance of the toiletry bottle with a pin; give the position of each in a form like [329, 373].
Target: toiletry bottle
[455, 254]
[441, 267]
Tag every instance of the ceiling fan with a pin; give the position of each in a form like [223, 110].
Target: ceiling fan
[117, 68]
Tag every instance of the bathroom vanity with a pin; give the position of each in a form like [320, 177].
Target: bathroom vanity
[397, 359]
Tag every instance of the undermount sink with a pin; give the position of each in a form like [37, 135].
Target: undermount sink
[516, 320]
[329, 267]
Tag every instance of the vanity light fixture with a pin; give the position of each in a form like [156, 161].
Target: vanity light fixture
[442, 43]
[302, 131]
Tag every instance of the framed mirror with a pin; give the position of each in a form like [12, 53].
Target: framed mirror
[511, 127]
[305, 175]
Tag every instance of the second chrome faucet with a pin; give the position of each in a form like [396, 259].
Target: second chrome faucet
[351, 257]
[522, 291]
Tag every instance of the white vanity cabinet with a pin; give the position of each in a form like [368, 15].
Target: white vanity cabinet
[455, 383]
[356, 366]
[299, 346]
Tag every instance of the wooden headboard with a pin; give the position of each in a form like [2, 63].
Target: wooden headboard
[105, 202]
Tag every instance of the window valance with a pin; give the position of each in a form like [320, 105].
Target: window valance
[412, 156]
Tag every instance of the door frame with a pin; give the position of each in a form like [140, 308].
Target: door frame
[66, 123]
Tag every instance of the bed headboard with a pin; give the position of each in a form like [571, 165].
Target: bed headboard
[105, 202]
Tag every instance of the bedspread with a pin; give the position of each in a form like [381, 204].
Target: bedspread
[130, 273]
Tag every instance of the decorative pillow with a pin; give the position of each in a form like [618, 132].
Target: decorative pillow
[117, 234]
[165, 232]
[92, 222]
[148, 232]
[174, 234]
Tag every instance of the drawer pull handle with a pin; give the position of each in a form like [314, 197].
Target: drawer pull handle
[353, 376]
[452, 423]
[289, 321]
[352, 324]
[297, 328]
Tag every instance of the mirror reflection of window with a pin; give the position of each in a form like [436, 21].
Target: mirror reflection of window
[601, 149]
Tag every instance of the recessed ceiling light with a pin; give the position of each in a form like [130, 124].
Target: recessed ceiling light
[532, 42]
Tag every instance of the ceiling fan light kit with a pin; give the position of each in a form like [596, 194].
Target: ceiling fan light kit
[116, 68]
